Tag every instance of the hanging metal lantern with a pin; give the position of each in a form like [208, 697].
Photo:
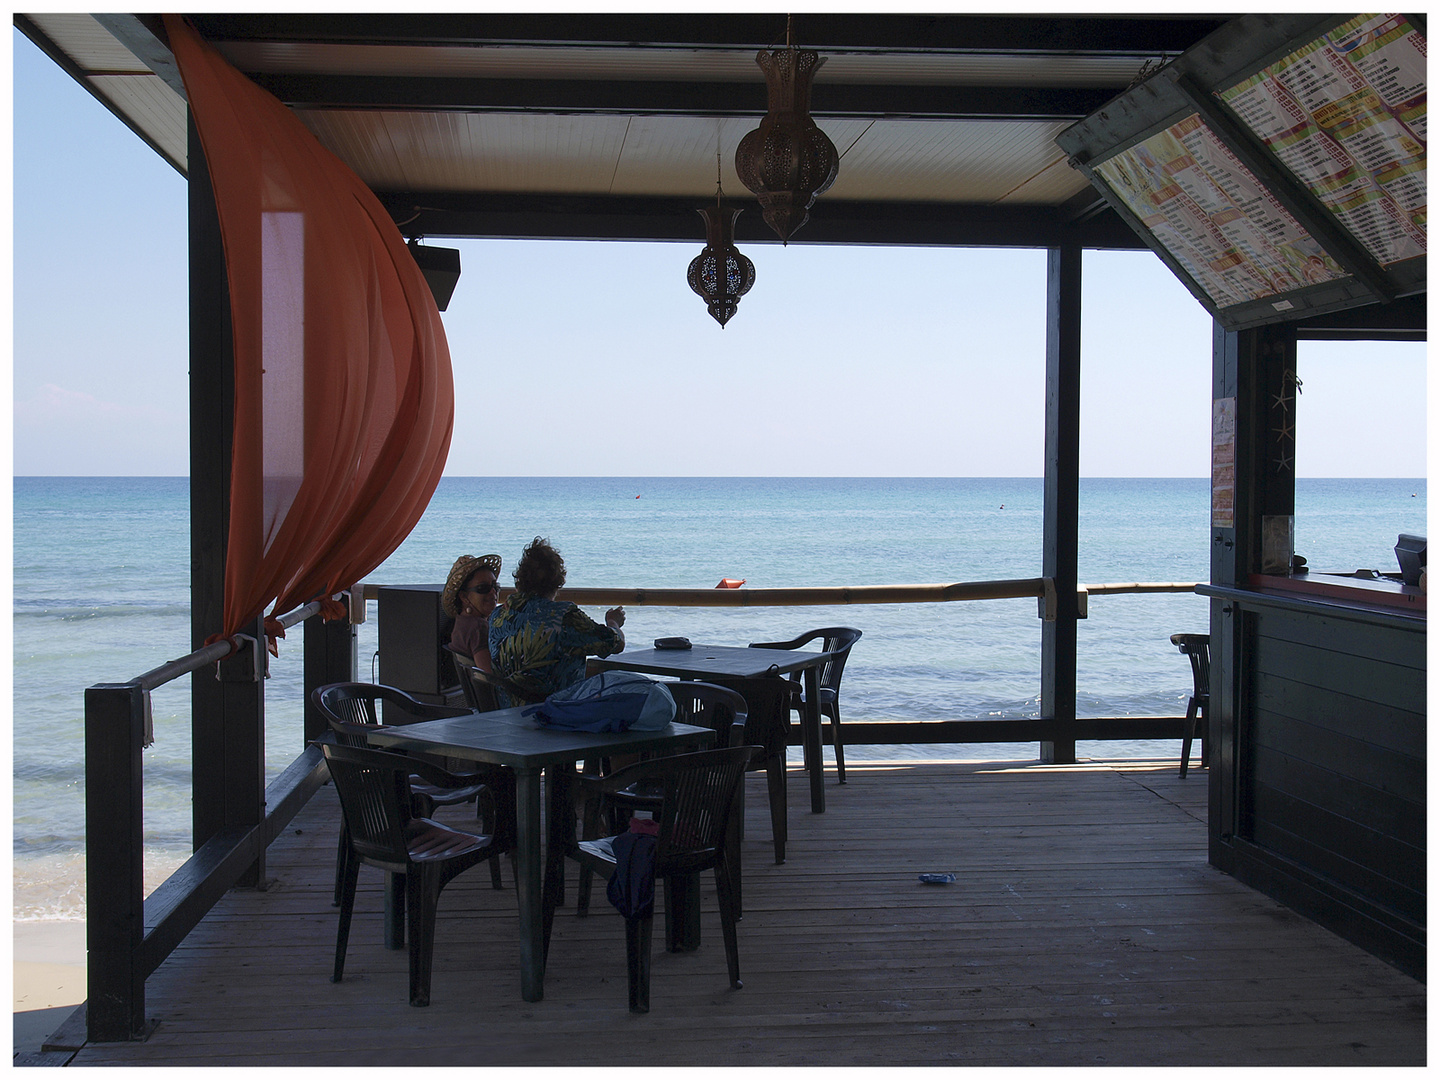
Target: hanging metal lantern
[787, 161]
[720, 274]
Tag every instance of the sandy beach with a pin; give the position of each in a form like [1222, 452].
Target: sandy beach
[49, 963]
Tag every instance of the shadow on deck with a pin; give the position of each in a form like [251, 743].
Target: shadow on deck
[1085, 928]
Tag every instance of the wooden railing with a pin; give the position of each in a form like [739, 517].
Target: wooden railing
[127, 935]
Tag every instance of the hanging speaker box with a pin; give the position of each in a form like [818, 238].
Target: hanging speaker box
[441, 267]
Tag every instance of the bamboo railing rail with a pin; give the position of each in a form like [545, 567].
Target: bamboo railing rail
[810, 596]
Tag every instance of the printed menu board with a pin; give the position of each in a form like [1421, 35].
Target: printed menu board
[1346, 115]
[1210, 213]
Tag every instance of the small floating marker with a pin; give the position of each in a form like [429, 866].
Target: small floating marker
[937, 879]
[1002, 506]
[730, 583]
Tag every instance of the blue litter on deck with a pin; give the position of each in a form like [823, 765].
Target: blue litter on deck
[937, 879]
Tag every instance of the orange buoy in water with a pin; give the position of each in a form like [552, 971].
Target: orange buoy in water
[730, 583]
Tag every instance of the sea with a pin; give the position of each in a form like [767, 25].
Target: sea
[101, 594]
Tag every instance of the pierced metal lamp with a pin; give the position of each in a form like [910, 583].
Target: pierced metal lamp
[787, 161]
[720, 274]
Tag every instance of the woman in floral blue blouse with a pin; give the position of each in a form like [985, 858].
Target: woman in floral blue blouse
[541, 643]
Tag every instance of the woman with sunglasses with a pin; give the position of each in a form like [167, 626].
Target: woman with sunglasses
[470, 594]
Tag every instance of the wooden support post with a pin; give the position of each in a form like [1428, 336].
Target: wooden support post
[1062, 499]
[228, 711]
[329, 657]
[114, 862]
[1253, 380]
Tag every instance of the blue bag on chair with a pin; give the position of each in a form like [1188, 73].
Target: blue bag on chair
[610, 701]
[632, 886]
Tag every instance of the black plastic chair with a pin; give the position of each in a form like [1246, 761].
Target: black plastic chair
[464, 665]
[1197, 712]
[352, 711]
[837, 641]
[696, 832]
[718, 708]
[383, 830]
[492, 685]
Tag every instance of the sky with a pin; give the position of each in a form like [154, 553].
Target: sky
[585, 358]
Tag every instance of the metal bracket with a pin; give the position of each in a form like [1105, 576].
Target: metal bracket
[244, 666]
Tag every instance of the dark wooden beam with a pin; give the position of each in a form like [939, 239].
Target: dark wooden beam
[960, 732]
[228, 705]
[1400, 320]
[329, 657]
[1061, 540]
[1094, 36]
[832, 221]
[114, 860]
[644, 97]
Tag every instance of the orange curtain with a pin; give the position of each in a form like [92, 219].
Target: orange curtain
[344, 400]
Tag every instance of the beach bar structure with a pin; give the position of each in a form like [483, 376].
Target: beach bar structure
[985, 131]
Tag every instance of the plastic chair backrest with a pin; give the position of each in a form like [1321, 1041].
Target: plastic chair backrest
[350, 703]
[479, 692]
[1197, 648]
[838, 641]
[707, 705]
[352, 706]
[464, 665]
[374, 790]
[489, 679]
[699, 793]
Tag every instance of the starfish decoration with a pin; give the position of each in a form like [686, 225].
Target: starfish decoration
[1284, 461]
[1289, 380]
[1286, 431]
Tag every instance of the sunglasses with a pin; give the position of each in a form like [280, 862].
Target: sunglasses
[483, 590]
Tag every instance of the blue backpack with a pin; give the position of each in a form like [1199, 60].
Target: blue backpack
[610, 701]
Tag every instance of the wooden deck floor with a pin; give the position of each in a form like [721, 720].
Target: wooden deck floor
[1085, 928]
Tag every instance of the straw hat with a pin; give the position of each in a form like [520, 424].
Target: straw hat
[460, 573]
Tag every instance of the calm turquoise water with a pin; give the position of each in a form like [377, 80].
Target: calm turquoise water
[102, 585]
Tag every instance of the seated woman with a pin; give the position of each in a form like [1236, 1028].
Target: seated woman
[541, 643]
[469, 597]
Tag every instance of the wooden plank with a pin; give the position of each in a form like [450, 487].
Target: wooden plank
[1340, 796]
[1337, 847]
[1397, 685]
[1398, 729]
[1390, 644]
[1399, 776]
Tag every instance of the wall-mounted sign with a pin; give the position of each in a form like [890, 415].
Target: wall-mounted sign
[1346, 115]
[1222, 463]
[1214, 217]
[1278, 166]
